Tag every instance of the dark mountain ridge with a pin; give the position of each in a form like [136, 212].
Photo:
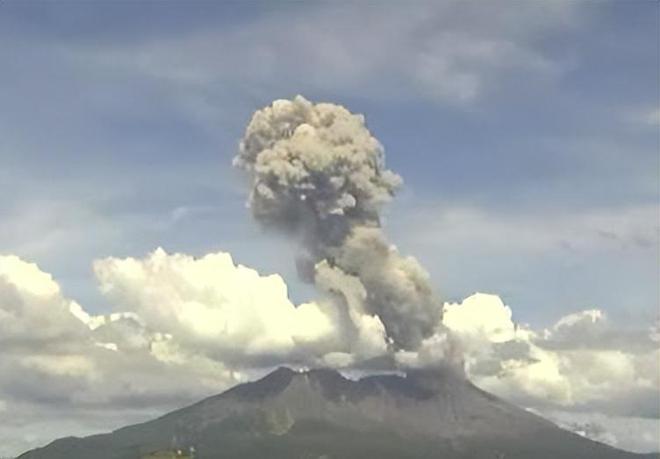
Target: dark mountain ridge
[321, 414]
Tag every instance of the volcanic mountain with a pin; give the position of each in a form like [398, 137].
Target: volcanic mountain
[320, 414]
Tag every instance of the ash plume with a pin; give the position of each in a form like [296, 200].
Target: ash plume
[319, 175]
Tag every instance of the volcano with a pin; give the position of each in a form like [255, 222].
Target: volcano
[320, 414]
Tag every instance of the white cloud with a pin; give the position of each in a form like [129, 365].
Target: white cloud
[481, 316]
[234, 315]
[583, 363]
[27, 277]
[194, 326]
[224, 310]
[57, 359]
[32, 301]
[185, 328]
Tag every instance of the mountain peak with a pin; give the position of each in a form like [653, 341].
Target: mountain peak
[321, 413]
[270, 385]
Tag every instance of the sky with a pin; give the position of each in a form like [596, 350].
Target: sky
[526, 134]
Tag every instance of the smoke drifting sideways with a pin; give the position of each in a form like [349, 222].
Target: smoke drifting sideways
[318, 175]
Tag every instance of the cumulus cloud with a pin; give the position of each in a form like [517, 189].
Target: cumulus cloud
[47, 336]
[188, 327]
[583, 363]
[184, 328]
[232, 313]
[32, 301]
[211, 301]
[57, 358]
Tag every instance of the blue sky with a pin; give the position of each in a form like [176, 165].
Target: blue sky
[526, 133]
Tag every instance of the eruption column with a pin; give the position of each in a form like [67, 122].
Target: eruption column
[319, 175]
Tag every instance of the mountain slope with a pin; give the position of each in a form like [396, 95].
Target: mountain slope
[321, 414]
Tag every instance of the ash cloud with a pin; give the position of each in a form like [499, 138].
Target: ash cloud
[318, 174]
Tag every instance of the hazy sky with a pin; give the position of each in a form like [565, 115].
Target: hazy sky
[527, 134]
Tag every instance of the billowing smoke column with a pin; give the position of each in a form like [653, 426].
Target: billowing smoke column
[318, 174]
